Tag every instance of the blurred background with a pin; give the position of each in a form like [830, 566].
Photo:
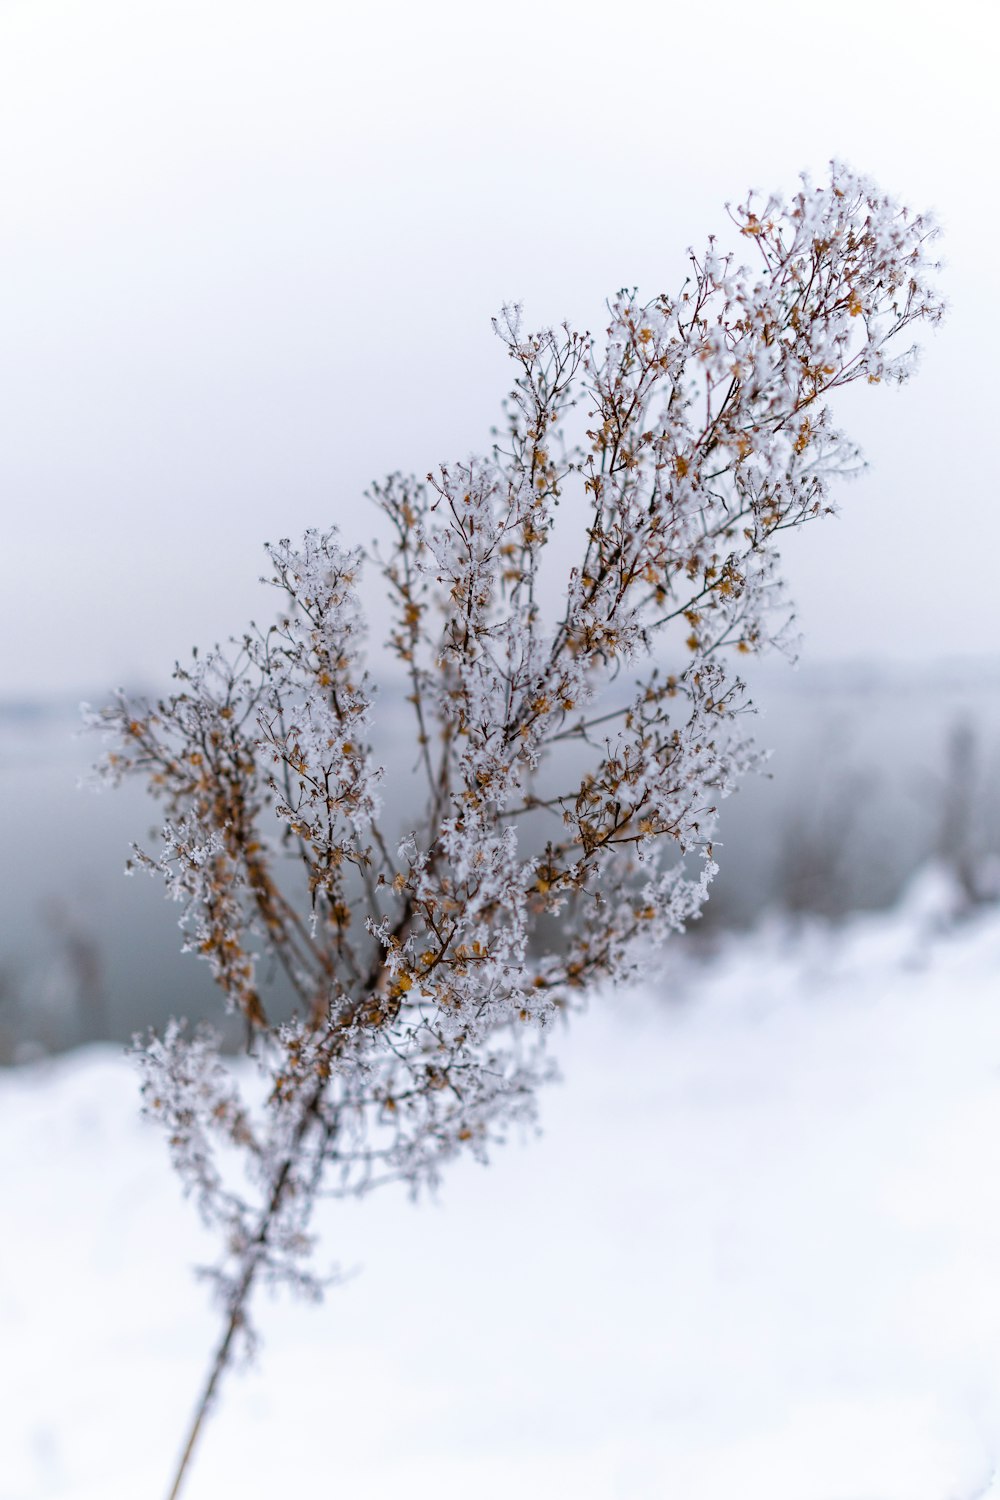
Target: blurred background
[248, 259]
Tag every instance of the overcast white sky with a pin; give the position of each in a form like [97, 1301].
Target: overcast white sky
[249, 254]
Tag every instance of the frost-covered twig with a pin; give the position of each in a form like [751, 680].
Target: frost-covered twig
[423, 969]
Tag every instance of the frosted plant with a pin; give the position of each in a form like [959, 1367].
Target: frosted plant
[571, 760]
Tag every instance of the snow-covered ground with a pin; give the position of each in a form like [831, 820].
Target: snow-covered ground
[754, 1256]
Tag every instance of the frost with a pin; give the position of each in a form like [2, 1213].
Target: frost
[570, 764]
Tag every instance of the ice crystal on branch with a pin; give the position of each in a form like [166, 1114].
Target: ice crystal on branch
[570, 762]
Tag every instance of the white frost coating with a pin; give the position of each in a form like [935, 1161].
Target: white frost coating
[570, 763]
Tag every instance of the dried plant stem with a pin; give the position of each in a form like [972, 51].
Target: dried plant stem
[219, 1364]
[241, 1295]
[255, 1250]
[427, 962]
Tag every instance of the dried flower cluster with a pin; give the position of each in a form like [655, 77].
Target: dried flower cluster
[570, 761]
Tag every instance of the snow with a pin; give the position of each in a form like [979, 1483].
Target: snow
[754, 1256]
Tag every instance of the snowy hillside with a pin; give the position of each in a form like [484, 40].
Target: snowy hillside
[754, 1256]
